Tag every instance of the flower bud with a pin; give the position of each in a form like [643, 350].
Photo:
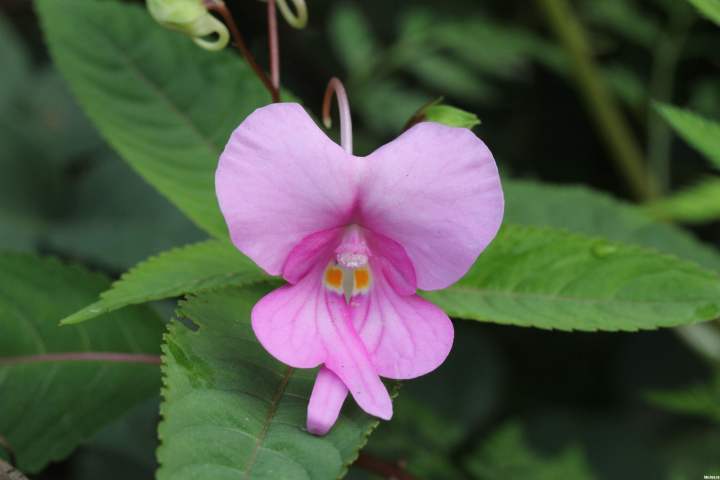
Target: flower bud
[192, 18]
[296, 20]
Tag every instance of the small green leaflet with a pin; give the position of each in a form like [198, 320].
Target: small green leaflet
[709, 8]
[701, 400]
[190, 269]
[702, 133]
[49, 406]
[696, 204]
[232, 411]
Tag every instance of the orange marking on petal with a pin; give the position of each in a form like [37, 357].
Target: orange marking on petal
[334, 277]
[362, 278]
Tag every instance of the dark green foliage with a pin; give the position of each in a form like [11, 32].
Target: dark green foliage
[48, 407]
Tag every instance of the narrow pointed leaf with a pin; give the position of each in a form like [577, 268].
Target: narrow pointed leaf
[49, 405]
[709, 8]
[696, 204]
[232, 411]
[164, 104]
[191, 269]
[700, 132]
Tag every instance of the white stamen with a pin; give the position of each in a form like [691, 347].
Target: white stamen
[352, 260]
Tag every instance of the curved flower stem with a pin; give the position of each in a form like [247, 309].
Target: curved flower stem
[335, 86]
[5, 445]
[601, 104]
[83, 357]
[220, 8]
[273, 45]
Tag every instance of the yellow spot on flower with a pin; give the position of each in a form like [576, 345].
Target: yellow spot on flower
[334, 278]
[361, 280]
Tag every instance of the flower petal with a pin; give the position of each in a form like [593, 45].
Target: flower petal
[306, 324]
[326, 400]
[436, 191]
[406, 336]
[349, 360]
[391, 258]
[281, 179]
[285, 322]
[311, 251]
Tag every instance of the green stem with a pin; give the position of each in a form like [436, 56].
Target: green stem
[662, 82]
[601, 104]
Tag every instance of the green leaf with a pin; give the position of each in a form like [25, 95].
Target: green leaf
[124, 449]
[446, 75]
[386, 106]
[48, 405]
[551, 279]
[626, 84]
[700, 132]
[353, 40]
[697, 204]
[699, 400]
[231, 411]
[506, 455]
[625, 19]
[709, 8]
[692, 456]
[117, 219]
[489, 47]
[15, 61]
[165, 105]
[64, 190]
[583, 210]
[190, 269]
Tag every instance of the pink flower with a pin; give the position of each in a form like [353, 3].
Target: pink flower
[355, 237]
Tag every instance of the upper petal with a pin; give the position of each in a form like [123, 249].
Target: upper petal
[436, 191]
[279, 180]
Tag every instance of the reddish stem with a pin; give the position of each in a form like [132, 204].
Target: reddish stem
[335, 86]
[274, 45]
[385, 469]
[83, 357]
[222, 10]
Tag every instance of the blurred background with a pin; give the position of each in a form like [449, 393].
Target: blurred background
[532, 404]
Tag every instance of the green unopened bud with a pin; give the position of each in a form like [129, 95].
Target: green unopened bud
[296, 20]
[450, 116]
[192, 18]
